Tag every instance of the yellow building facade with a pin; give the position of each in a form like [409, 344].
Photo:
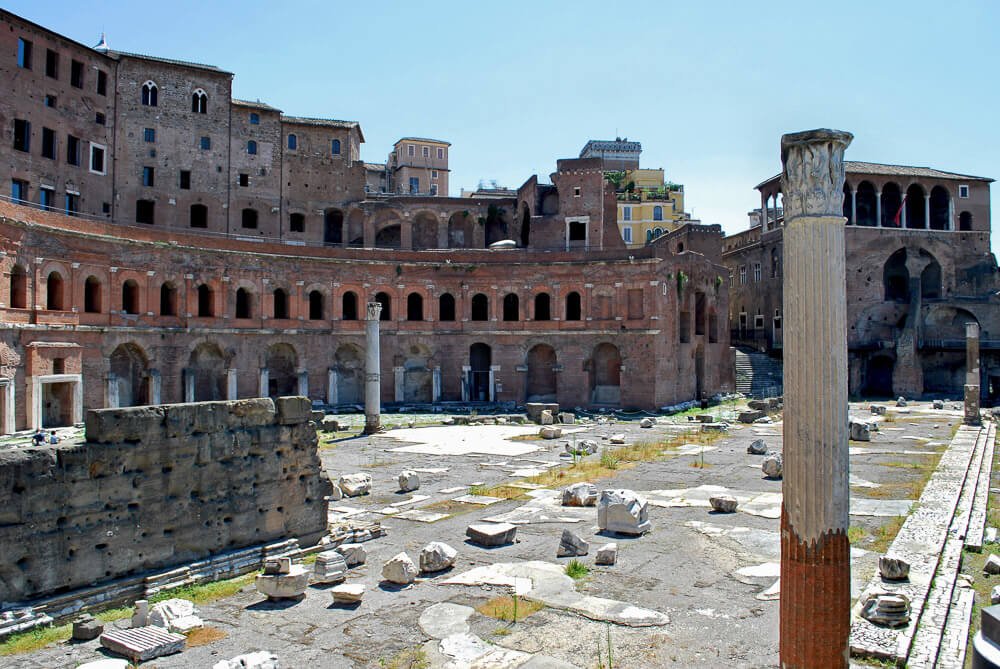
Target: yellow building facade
[648, 205]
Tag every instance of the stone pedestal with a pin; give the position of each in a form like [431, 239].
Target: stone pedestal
[815, 564]
[373, 386]
[398, 383]
[972, 404]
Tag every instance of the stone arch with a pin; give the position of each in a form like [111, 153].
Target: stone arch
[865, 201]
[385, 300]
[91, 295]
[349, 363]
[896, 278]
[915, 212]
[460, 230]
[244, 302]
[129, 366]
[349, 306]
[168, 299]
[605, 374]
[878, 376]
[417, 374]
[282, 370]
[497, 224]
[206, 301]
[424, 231]
[944, 371]
[940, 209]
[511, 307]
[333, 226]
[18, 287]
[930, 278]
[280, 305]
[541, 384]
[207, 364]
[892, 199]
[317, 305]
[389, 237]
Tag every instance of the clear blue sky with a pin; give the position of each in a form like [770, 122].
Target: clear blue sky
[707, 87]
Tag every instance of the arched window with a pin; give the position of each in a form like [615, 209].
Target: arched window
[293, 142]
[480, 307]
[657, 213]
[543, 305]
[511, 307]
[168, 299]
[414, 307]
[205, 307]
[252, 148]
[149, 94]
[446, 307]
[130, 297]
[199, 216]
[649, 236]
[199, 102]
[573, 306]
[316, 305]
[349, 306]
[386, 302]
[54, 292]
[657, 233]
[18, 288]
[280, 304]
[244, 303]
[249, 218]
[335, 147]
[92, 295]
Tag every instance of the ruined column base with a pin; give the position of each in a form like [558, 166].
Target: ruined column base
[815, 586]
[372, 426]
[972, 405]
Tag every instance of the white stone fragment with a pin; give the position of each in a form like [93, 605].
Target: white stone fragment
[623, 512]
[284, 586]
[348, 593]
[354, 554]
[354, 485]
[437, 556]
[580, 494]
[550, 432]
[262, 659]
[893, 569]
[617, 439]
[723, 503]
[409, 481]
[400, 570]
[607, 554]
[572, 545]
[992, 565]
[647, 423]
[772, 466]
[176, 615]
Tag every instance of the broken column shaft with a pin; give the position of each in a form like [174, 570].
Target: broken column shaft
[815, 553]
[972, 388]
[373, 385]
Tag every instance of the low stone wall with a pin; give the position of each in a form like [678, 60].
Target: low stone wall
[158, 486]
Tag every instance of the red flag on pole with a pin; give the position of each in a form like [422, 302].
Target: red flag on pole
[899, 212]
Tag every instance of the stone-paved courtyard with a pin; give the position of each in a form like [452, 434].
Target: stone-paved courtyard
[713, 575]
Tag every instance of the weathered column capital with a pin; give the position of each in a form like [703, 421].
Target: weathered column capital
[374, 311]
[812, 175]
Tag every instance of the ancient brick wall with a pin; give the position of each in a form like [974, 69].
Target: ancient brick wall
[157, 486]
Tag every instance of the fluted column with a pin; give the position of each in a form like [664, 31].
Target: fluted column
[373, 386]
[815, 553]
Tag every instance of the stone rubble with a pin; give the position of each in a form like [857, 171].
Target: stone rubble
[723, 503]
[437, 556]
[860, 431]
[992, 565]
[757, 447]
[878, 409]
[567, 418]
[550, 432]
[354, 554]
[491, 534]
[355, 485]
[623, 512]
[580, 494]
[937, 404]
[409, 481]
[289, 584]
[330, 567]
[546, 418]
[261, 659]
[572, 545]
[606, 555]
[400, 570]
[886, 609]
[348, 593]
[175, 615]
[647, 423]
[893, 569]
[901, 401]
[749, 416]
[772, 466]
[86, 627]
[617, 439]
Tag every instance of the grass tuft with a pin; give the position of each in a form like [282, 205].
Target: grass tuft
[410, 658]
[509, 608]
[576, 569]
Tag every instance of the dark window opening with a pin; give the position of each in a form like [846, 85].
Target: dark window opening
[543, 307]
[185, 180]
[72, 204]
[252, 148]
[51, 64]
[349, 307]
[168, 300]
[76, 74]
[130, 297]
[102, 82]
[22, 135]
[72, 150]
[199, 102]
[316, 306]
[46, 198]
[293, 142]
[50, 101]
[244, 307]
[18, 288]
[335, 147]
[480, 307]
[280, 304]
[446, 307]
[96, 159]
[297, 223]
[205, 306]
[149, 94]
[144, 211]
[92, 295]
[965, 221]
[386, 302]
[149, 134]
[58, 365]
[199, 216]
[147, 177]
[249, 218]
[577, 231]
[206, 143]
[414, 307]
[333, 227]
[54, 292]
[244, 180]
[19, 190]
[511, 307]
[254, 118]
[573, 310]
[48, 143]
[24, 48]
[99, 118]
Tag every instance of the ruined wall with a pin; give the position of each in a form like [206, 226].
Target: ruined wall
[157, 486]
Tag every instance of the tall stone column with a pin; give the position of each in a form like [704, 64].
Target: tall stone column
[399, 383]
[436, 384]
[111, 399]
[189, 385]
[815, 554]
[232, 392]
[303, 382]
[155, 386]
[972, 374]
[373, 385]
[331, 387]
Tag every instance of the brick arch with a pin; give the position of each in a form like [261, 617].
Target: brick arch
[207, 363]
[282, 362]
[129, 363]
[425, 225]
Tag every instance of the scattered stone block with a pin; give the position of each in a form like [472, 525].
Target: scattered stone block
[606, 555]
[990, 535]
[714, 427]
[262, 659]
[329, 424]
[354, 554]
[567, 418]
[572, 545]
[284, 586]
[749, 416]
[647, 423]
[901, 401]
[757, 447]
[293, 410]
[772, 466]
[355, 485]
[860, 431]
[533, 410]
[893, 569]
[547, 418]
[143, 643]
[409, 481]
[937, 404]
[886, 609]
[106, 664]
[995, 595]
[86, 627]
[400, 570]
[623, 512]
[278, 565]
[437, 556]
[491, 534]
[705, 418]
[550, 432]
[723, 503]
[992, 565]
[588, 445]
[336, 494]
[140, 614]
[763, 420]
[878, 409]
[330, 567]
[176, 615]
[580, 494]
[757, 405]
[348, 593]
[617, 439]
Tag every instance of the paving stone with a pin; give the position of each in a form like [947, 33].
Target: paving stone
[348, 593]
[260, 660]
[491, 534]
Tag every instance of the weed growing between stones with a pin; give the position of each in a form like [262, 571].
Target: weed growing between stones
[204, 636]
[609, 460]
[576, 569]
[410, 658]
[508, 608]
[855, 534]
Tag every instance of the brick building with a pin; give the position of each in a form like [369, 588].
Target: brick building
[207, 248]
[919, 267]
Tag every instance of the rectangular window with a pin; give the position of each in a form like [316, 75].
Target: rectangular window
[51, 64]
[100, 119]
[411, 150]
[434, 174]
[758, 322]
[577, 231]
[46, 198]
[72, 204]
[743, 275]
[23, 53]
[102, 82]
[244, 180]
[440, 154]
[149, 134]
[425, 151]
[50, 101]
[743, 320]
[434, 189]
[963, 191]
[22, 135]
[414, 184]
[756, 272]
[72, 150]
[576, 191]
[206, 143]
[147, 177]
[627, 235]
[76, 74]
[185, 180]
[97, 158]
[626, 213]
[145, 211]
[48, 143]
[18, 190]
[254, 119]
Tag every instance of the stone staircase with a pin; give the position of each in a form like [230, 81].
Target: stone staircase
[757, 374]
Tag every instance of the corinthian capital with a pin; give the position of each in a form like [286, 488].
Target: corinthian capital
[812, 176]
[374, 310]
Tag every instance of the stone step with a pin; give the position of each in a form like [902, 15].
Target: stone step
[977, 520]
